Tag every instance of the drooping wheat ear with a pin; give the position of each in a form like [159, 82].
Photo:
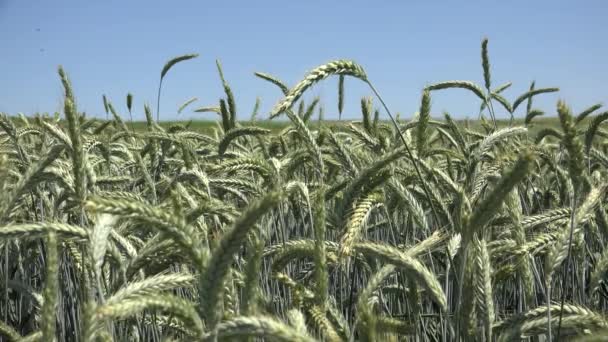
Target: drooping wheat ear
[572, 144]
[299, 249]
[242, 164]
[239, 132]
[592, 130]
[152, 285]
[503, 102]
[256, 326]
[585, 113]
[477, 90]
[186, 104]
[485, 62]
[274, 81]
[218, 266]
[51, 285]
[174, 61]
[340, 96]
[532, 114]
[339, 67]
[171, 304]
[500, 135]
[545, 132]
[9, 333]
[531, 93]
[207, 109]
[386, 325]
[36, 230]
[172, 224]
[535, 321]
[377, 278]
[164, 72]
[488, 207]
[414, 268]
[423, 121]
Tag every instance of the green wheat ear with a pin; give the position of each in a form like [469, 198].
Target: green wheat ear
[229, 95]
[129, 106]
[485, 210]
[532, 114]
[474, 88]
[423, 122]
[174, 61]
[67, 85]
[485, 62]
[241, 327]
[164, 72]
[50, 289]
[256, 108]
[585, 113]
[212, 279]
[340, 96]
[339, 67]
[129, 101]
[572, 144]
[186, 104]
[530, 94]
[593, 128]
[105, 105]
[273, 80]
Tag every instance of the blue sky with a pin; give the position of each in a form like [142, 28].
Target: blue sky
[114, 47]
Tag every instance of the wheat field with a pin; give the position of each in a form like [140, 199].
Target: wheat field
[383, 230]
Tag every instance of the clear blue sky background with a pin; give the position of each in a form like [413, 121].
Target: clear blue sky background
[115, 47]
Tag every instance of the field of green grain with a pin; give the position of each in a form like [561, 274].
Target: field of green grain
[302, 229]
